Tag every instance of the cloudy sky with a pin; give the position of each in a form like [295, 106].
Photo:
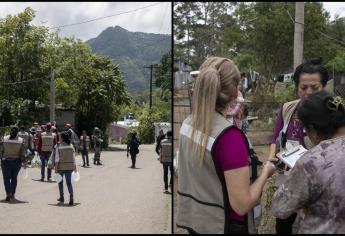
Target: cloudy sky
[335, 8]
[153, 19]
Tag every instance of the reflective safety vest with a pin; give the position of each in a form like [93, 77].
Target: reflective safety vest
[203, 204]
[25, 136]
[166, 151]
[13, 148]
[47, 141]
[66, 157]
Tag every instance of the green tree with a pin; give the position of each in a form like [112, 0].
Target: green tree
[23, 71]
[90, 83]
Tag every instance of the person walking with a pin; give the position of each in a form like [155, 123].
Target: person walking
[217, 192]
[315, 186]
[84, 148]
[46, 142]
[166, 159]
[97, 146]
[12, 150]
[73, 136]
[65, 164]
[133, 148]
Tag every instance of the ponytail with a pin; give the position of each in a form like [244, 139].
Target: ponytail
[215, 87]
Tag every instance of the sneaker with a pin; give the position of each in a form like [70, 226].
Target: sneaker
[84, 165]
[42, 180]
[49, 180]
[8, 198]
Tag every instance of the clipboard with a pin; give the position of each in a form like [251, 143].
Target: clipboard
[291, 156]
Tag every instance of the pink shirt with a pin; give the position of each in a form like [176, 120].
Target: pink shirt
[235, 110]
[231, 153]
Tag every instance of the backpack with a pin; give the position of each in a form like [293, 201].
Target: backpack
[134, 146]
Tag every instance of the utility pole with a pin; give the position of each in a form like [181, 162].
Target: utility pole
[151, 70]
[299, 32]
[52, 96]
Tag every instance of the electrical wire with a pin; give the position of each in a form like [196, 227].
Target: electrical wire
[322, 33]
[100, 18]
[22, 82]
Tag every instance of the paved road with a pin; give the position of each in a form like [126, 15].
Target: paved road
[112, 198]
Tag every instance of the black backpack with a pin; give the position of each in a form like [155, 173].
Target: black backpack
[134, 146]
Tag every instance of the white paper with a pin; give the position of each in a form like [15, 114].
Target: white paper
[291, 156]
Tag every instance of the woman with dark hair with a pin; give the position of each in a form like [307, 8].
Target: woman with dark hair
[315, 186]
[309, 77]
[65, 164]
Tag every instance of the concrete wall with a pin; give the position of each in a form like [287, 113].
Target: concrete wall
[65, 116]
[117, 132]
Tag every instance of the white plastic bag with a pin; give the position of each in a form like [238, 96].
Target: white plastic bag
[36, 160]
[75, 176]
[57, 177]
[24, 173]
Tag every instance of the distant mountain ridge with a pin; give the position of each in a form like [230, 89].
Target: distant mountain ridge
[132, 51]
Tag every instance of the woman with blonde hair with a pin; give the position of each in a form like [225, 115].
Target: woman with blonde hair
[214, 187]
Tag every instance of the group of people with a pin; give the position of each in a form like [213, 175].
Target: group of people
[218, 190]
[56, 151]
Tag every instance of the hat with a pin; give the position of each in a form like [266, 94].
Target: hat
[68, 125]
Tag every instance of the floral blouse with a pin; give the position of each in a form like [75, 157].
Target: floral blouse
[315, 189]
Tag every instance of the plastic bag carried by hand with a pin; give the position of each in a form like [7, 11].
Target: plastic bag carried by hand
[24, 173]
[75, 176]
[57, 177]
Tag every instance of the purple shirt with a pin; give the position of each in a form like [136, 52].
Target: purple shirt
[231, 153]
[294, 130]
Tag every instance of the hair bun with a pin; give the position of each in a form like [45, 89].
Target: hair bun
[316, 61]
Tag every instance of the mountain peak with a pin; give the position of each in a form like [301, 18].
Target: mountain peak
[119, 28]
[131, 51]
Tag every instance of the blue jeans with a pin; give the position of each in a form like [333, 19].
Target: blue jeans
[10, 170]
[85, 153]
[68, 176]
[44, 160]
[166, 167]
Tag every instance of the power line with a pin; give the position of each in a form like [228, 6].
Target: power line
[22, 82]
[325, 35]
[100, 18]
[165, 10]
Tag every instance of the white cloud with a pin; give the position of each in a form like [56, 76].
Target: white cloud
[155, 19]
